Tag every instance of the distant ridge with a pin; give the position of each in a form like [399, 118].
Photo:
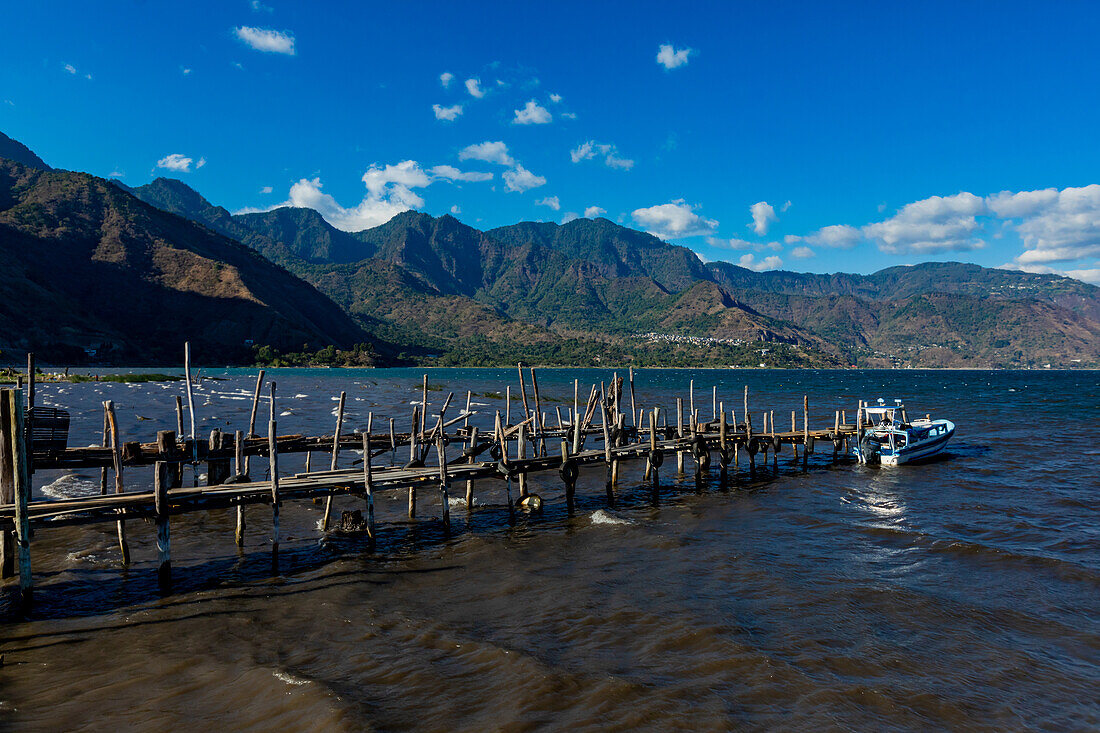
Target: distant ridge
[593, 292]
[20, 153]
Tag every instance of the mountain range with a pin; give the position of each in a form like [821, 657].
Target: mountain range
[422, 289]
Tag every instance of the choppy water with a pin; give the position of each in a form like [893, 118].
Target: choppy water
[963, 593]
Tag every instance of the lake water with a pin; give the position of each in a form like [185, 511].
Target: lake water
[963, 593]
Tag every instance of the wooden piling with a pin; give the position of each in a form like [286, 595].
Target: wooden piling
[252, 416]
[28, 427]
[609, 485]
[241, 467]
[7, 487]
[680, 433]
[191, 409]
[471, 460]
[335, 457]
[633, 407]
[273, 469]
[21, 486]
[805, 428]
[521, 453]
[444, 484]
[368, 480]
[161, 516]
[116, 454]
[653, 467]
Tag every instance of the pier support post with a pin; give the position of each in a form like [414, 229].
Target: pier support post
[161, 513]
[273, 468]
[609, 486]
[116, 455]
[13, 462]
[368, 480]
[679, 433]
[444, 484]
[472, 459]
[335, 457]
[8, 544]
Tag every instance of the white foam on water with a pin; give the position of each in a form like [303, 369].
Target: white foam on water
[71, 485]
[284, 413]
[300, 396]
[602, 516]
[457, 501]
[289, 678]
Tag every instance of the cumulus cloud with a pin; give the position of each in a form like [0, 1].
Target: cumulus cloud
[447, 113]
[177, 162]
[729, 243]
[673, 220]
[555, 98]
[802, 253]
[473, 86]
[589, 149]
[839, 236]
[446, 78]
[259, 7]
[266, 189]
[934, 224]
[763, 216]
[450, 173]
[551, 201]
[456, 210]
[266, 40]
[532, 114]
[593, 211]
[768, 263]
[70, 68]
[521, 179]
[1055, 226]
[670, 58]
[489, 152]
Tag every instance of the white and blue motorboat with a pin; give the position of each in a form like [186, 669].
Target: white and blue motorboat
[887, 436]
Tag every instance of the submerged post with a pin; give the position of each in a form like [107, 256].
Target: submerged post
[242, 471]
[116, 456]
[444, 485]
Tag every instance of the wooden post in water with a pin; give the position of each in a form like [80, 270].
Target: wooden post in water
[540, 450]
[521, 453]
[722, 444]
[679, 433]
[412, 461]
[393, 443]
[472, 459]
[191, 412]
[161, 513]
[714, 403]
[805, 429]
[273, 469]
[116, 455]
[609, 484]
[12, 433]
[241, 467]
[335, 457]
[423, 407]
[7, 486]
[444, 485]
[653, 467]
[28, 427]
[633, 407]
[106, 437]
[252, 419]
[368, 480]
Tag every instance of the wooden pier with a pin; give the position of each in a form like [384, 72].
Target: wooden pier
[432, 457]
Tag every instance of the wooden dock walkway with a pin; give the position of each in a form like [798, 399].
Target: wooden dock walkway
[437, 461]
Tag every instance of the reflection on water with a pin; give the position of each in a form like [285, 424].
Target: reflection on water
[959, 593]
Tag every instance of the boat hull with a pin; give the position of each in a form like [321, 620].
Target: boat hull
[917, 452]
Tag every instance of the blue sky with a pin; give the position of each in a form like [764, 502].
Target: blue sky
[815, 137]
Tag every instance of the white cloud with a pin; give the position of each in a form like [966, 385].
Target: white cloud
[116, 174]
[590, 148]
[1055, 226]
[473, 86]
[934, 224]
[70, 68]
[551, 201]
[521, 179]
[266, 189]
[763, 215]
[395, 182]
[569, 115]
[768, 263]
[456, 210]
[266, 40]
[201, 163]
[185, 71]
[670, 58]
[555, 98]
[446, 78]
[258, 7]
[785, 206]
[447, 113]
[802, 253]
[839, 236]
[593, 211]
[532, 114]
[672, 220]
[490, 152]
[569, 216]
[450, 173]
[177, 162]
